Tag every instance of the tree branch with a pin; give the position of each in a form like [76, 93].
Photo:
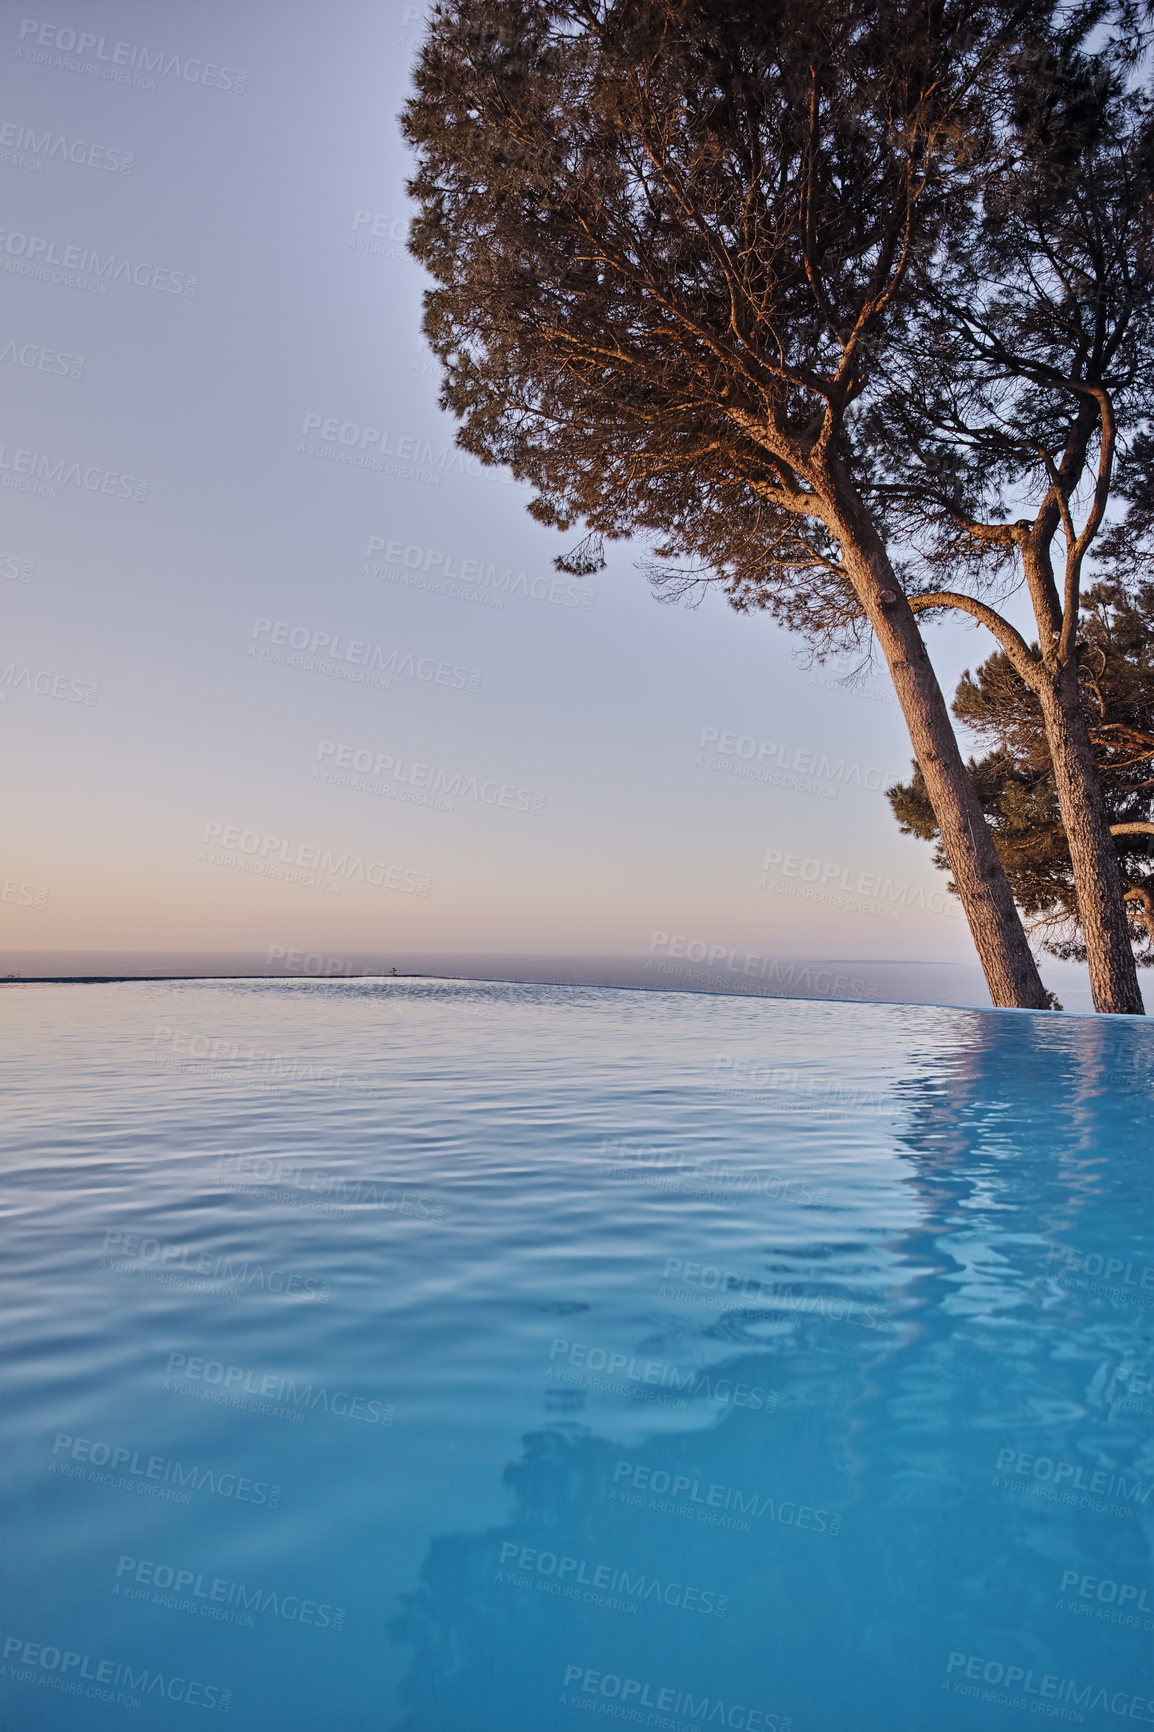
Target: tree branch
[1021, 656]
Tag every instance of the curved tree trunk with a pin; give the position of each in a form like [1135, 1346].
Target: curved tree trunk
[1093, 857]
[1003, 949]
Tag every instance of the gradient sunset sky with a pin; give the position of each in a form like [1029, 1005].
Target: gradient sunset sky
[228, 445]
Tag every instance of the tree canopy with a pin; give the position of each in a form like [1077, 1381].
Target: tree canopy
[684, 247]
[668, 238]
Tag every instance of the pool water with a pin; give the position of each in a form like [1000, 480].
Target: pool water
[465, 1357]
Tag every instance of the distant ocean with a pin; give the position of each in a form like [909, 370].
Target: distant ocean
[683, 965]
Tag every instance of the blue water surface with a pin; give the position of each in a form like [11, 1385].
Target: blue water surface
[452, 1357]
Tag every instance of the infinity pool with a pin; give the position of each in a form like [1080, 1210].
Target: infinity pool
[454, 1357]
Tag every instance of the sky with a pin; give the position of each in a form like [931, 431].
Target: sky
[280, 667]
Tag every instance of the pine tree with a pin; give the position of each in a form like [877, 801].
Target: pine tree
[681, 247]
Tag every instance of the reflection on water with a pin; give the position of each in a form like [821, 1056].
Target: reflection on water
[524, 1374]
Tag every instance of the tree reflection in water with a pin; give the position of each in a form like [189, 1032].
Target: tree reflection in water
[868, 1555]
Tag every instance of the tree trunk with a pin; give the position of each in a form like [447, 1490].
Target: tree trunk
[1097, 878]
[1003, 949]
